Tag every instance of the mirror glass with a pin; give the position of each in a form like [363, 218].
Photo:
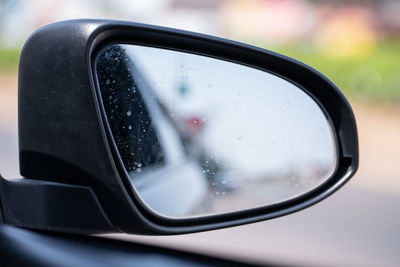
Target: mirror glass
[202, 136]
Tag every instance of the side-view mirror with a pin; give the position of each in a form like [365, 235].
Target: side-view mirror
[126, 127]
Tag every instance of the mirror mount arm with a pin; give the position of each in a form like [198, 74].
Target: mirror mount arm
[52, 206]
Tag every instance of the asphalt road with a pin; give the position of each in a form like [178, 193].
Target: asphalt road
[351, 228]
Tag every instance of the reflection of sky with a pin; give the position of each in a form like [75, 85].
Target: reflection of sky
[254, 121]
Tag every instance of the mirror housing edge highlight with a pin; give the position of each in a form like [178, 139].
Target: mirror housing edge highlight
[64, 141]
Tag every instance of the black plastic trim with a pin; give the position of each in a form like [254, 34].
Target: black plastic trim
[125, 176]
[63, 133]
[170, 40]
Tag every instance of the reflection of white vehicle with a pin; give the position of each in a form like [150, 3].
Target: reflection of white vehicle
[167, 179]
[179, 186]
[172, 190]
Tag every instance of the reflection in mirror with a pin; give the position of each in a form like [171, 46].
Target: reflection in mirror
[201, 136]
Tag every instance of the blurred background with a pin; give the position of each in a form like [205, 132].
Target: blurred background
[355, 43]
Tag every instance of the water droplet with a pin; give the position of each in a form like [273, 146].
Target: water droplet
[129, 113]
[130, 127]
[108, 81]
[139, 170]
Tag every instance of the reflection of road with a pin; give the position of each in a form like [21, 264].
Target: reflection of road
[253, 193]
[357, 226]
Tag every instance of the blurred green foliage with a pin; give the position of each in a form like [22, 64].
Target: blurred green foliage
[373, 77]
[9, 58]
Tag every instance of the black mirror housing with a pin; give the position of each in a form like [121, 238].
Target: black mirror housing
[68, 162]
